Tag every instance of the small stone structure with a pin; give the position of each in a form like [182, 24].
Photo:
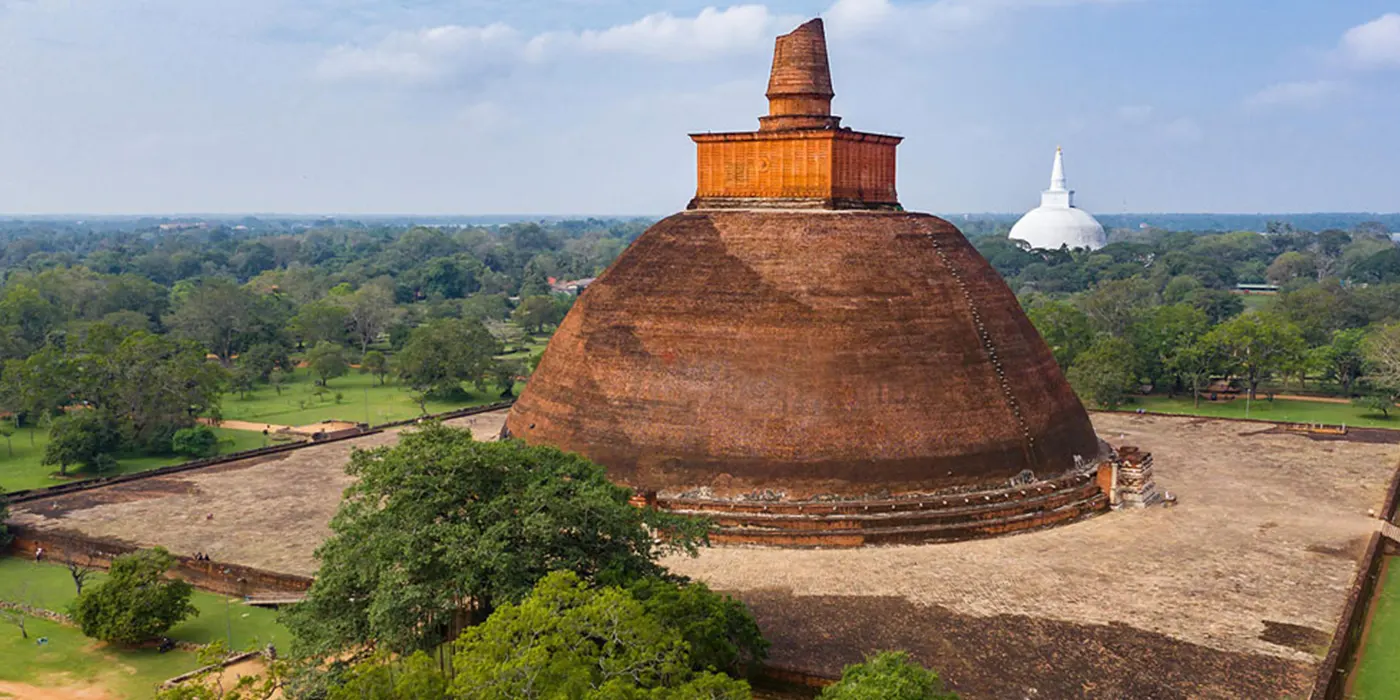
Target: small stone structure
[1127, 479]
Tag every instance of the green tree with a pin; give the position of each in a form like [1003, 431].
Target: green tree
[534, 313]
[503, 374]
[1290, 266]
[321, 322]
[153, 385]
[441, 527]
[276, 378]
[1104, 374]
[374, 362]
[1257, 345]
[1161, 331]
[381, 677]
[218, 313]
[263, 358]
[1195, 363]
[889, 675]
[569, 640]
[7, 430]
[1382, 352]
[1343, 359]
[196, 442]
[1114, 305]
[441, 355]
[1065, 329]
[135, 603]
[368, 312]
[720, 631]
[82, 437]
[327, 361]
[242, 380]
[1376, 403]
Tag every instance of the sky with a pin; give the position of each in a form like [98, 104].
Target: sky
[584, 106]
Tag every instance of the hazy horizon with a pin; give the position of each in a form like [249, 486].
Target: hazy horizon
[443, 106]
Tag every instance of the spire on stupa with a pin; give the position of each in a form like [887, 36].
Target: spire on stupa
[1059, 195]
[800, 157]
[799, 88]
[1057, 173]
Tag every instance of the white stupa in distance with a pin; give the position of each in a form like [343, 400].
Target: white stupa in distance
[1057, 222]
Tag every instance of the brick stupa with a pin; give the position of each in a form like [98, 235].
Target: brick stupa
[803, 361]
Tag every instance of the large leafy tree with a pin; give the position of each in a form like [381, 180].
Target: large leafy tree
[1065, 329]
[1161, 331]
[889, 675]
[327, 361]
[219, 313]
[442, 528]
[569, 640]
[1382, 352]
[87, 438]
[441, 355]
[1104, 374]
[136, 602]
[369, 312]
[1257, 345]
[153, 384]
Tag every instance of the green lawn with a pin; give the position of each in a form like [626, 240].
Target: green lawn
[1280, 410]
[363, 400]
[50, 587]
[130, 673]
[22, 470]
[70, 659]
[1377, 675]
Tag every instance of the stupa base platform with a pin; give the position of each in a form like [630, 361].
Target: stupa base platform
[907, 519]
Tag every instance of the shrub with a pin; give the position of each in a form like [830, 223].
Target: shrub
[197, 442]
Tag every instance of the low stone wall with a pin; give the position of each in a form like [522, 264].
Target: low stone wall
[1341, 656]
[212, 576]
[72, 487]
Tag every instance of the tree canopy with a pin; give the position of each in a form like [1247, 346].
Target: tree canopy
[440, 524]
[135, 603]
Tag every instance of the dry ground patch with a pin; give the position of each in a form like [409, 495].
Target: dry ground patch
[1240, 585]
[268, 512]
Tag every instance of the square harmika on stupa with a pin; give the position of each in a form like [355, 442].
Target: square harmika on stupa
[806, 363]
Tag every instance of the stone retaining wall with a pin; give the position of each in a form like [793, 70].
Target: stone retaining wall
[1341, 656]
[212, 576]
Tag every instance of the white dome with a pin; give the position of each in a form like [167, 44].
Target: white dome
[1052, 227]
[1056, 222]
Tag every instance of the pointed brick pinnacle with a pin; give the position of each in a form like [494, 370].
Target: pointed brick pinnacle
[800, 65]
[799, 89]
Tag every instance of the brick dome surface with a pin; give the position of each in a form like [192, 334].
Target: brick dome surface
[807, 353]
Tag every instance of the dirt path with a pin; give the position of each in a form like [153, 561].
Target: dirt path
[34, 692]
[246, 425]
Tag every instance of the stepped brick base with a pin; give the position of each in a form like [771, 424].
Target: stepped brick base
[910, 519]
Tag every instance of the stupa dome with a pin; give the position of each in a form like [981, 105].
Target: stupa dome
[1057, 222]
[795, 340]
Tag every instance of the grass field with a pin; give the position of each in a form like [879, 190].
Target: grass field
[23, 470]
[70, 658]
[1281, 410]
[1377, 676]
[363, 400]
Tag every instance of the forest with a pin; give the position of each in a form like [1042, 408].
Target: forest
[130, 344]
[125, 343]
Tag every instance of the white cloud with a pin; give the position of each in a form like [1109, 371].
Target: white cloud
[424, 56]
[1300, 93]
[440, 53]
[1374, 44]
